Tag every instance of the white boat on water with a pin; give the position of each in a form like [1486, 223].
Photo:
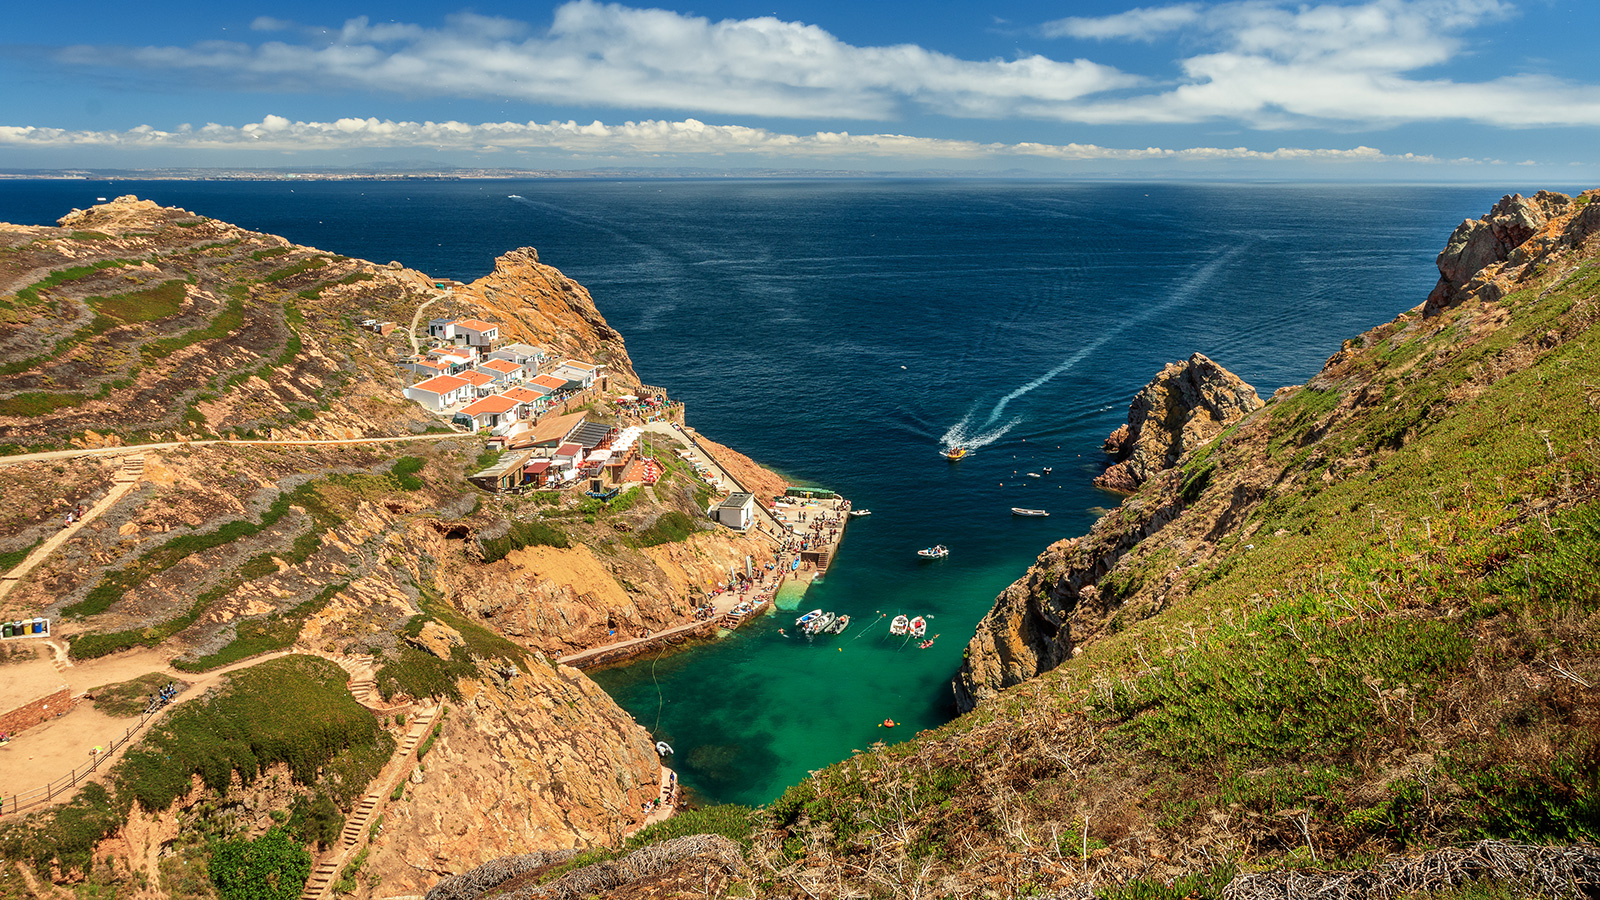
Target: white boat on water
[937, 551]
[1018, 511]
[808, 617]
[900, 625]
[1033, 474]
[839, 625]
[919, 626]
[860, 512]
[820, 624]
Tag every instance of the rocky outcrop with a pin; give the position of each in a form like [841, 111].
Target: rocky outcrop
[1032, 627]
[1479, 248]
[528, 761]
[1186, 405]
[536, 304]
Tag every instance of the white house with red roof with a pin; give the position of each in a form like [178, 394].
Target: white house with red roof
[492, 412]
[503, 371]
[427, 367]
[578, 374]
[475, 333]
[440, 393]
[482, 384]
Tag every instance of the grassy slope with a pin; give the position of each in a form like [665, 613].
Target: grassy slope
[1373, 629]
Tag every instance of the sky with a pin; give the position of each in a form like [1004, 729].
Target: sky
[1395, 90]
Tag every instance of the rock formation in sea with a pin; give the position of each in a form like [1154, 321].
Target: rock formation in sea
[1187, 404]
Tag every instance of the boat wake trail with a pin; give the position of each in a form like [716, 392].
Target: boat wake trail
[967, 434]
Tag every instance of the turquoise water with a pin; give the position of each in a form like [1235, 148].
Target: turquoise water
[841, 332]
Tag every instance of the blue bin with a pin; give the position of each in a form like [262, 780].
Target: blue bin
[38, 625]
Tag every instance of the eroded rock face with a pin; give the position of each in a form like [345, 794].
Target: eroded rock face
[528, 761]
[1186, 405]
[1478, 248]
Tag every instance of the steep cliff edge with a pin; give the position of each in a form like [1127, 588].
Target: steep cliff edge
[1357, 627]
[1189, 403]
[372, 560]
[1030, 628]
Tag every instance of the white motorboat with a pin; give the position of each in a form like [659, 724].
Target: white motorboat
[937, 551]
[919, 626]
[839, 625]
[808, 617]
[900, 625]
[663, 748]
[820, 624]
[860, 512]
[1033, 474]
[1018, 511]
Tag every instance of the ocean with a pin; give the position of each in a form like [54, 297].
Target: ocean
[842, 332]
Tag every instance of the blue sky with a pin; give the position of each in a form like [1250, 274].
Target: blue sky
[1409, 90]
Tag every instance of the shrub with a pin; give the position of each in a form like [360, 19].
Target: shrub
[524, 534]
[271, 867]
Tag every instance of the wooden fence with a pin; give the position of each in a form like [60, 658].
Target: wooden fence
[47, 794]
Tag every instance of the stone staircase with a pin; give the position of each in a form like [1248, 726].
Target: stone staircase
[132, 470]
[326, 873]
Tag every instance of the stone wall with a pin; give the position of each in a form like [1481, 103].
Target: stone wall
[30, 714]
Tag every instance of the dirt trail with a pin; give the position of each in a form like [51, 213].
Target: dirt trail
[126, 480]
[52, 750]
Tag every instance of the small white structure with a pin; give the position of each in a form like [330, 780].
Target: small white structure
[482, 385]
[491, 412]
[579, 374]
[738, 511]
[428, 367]
[475, 333]
[503, 371]
[440, 393]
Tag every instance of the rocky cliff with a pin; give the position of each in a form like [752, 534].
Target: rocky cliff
[152, 323]
[1189, 403]
[1310, 657]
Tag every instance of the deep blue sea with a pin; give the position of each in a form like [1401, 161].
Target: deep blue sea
[841, 331]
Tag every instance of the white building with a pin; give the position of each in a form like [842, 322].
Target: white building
[440, 393]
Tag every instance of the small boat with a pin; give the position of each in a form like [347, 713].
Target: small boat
[860, 512]
[955, 453]
[1033, 474]
[808, 617]
[839, 625]
[919, 626]
[663, 748]
[1047, 470]
[1019, 511]
[900, 625]
[937, 551]
[820, 624]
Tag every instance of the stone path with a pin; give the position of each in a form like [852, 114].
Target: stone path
[125, 481]
[356, 827]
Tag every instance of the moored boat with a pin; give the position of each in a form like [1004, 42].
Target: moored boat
[820, 624]
[1018, 511]
[937, 551]
[808, 617]
[860, 512]
[919, 626]
[839, 624]
[900, 625]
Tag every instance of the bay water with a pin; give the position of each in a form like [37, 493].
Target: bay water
[844, 332]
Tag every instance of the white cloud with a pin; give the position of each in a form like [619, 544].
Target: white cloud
[1264, 64]
[597, 140]
[1141, 24]
[1274, 65]
[617, 56]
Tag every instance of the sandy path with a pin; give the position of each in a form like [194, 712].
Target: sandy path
[125, 481]
[51, 751]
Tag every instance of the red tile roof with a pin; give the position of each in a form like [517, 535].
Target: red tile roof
[522, 395]
[476, 379]
[441, 384]
[549, 381]
[501, 365]
[477, 325]
[491, 405]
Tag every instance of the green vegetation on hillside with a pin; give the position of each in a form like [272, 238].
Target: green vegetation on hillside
[1373, 627]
